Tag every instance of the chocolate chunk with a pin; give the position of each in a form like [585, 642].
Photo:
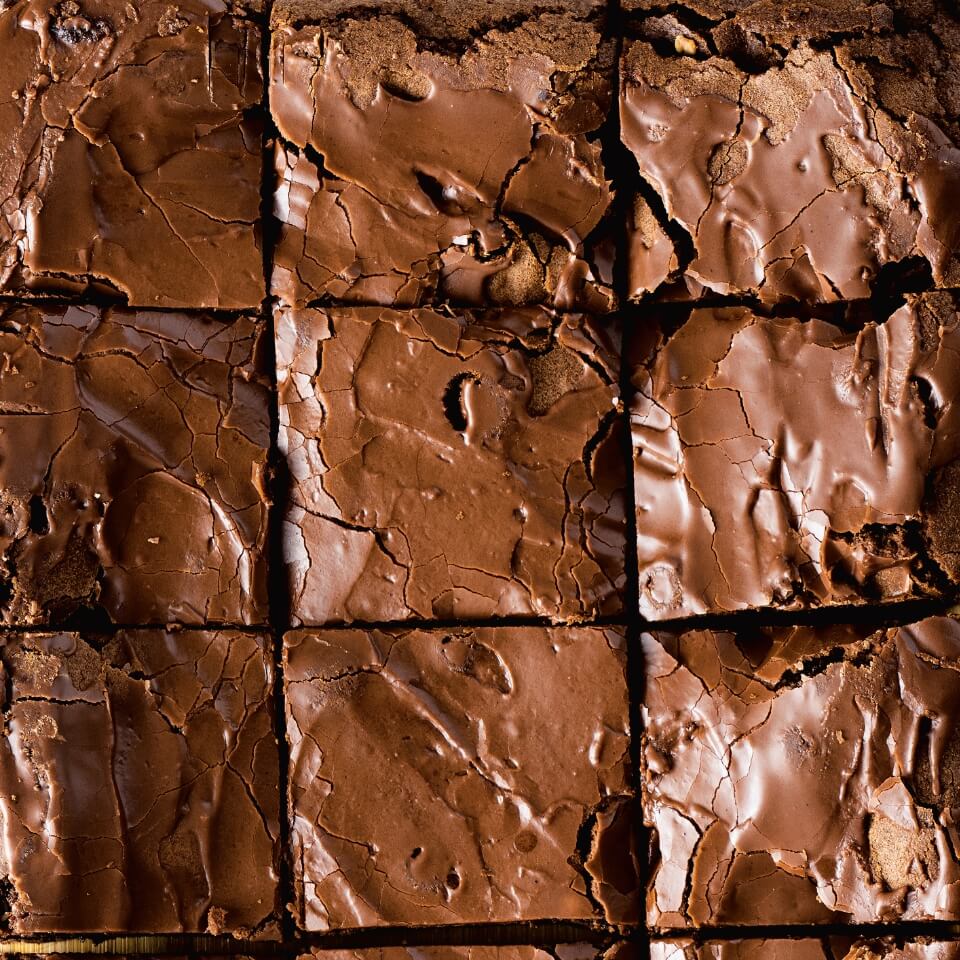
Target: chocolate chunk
[803, 775]
[459, 777]
[806, 948]
[797, 464]
[445, 465]
[132, 162]
[138, 783]
[132, 455]
[803, 146]
[438, 151]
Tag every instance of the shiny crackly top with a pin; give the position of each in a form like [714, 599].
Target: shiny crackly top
[425, 775]
[131, 129]
[800, 148]
[132, 456]
[138, 782]
[803, 775]
[457, 165]
[786, 463]
[452, 466]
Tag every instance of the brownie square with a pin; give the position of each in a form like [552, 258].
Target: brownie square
[834, 947]
[450, 465]
[803, 774]
[133, 157]
[139, 783]
[797, 148]
[463, 776]
[133, 447]
[442, 152]
[780, 463]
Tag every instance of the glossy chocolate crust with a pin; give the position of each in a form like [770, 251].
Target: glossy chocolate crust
[139, 783]
[133, 159]
[442, 152]
[797, 146]
[451, 466]
[825, 947]
[802, 775]
[795, 464]
[459, 776]
[133, 447]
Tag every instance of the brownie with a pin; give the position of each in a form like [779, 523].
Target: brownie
[802, 774]
[805, 948]
[133, 157]
[451, 465]
[139, 783]
[434, 151]
[795, 464]
[798, 147]
[133, 447]
[464, 776]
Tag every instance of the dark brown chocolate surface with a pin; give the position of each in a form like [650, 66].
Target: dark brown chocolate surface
[132, 153]
[803, 775]
[442, 465]
[139, 782]
[793, 464]
[132, 453]
[797, 146]
[811, 947]
[441, 152]
[459, 777]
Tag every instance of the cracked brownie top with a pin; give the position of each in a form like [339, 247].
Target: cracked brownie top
[789, 463]
[436, 154]
[802, 774]
[459, 776]
[139, 783]
[792, 149]
[133, 447]
[132, 163]
[443, 465]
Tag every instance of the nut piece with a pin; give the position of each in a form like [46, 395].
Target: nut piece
[685, 45]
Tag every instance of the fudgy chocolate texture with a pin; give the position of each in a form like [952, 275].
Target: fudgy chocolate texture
[795, 464]
[803, 775]
[809, 948]
[132, 157]
[441, 152]
[459, 777]
[133, 447]
[800, 147]
[139, 783]
[445, 465]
